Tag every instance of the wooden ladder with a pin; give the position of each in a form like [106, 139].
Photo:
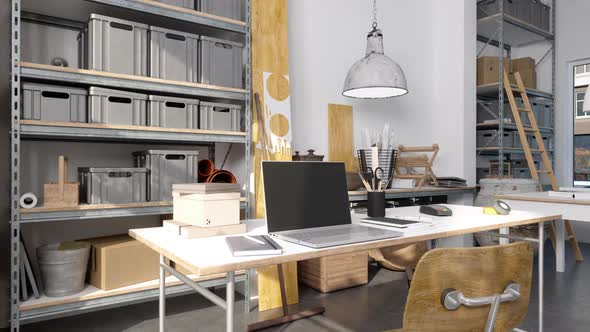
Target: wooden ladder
[528, 152]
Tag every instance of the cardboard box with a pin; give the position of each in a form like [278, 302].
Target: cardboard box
[529, 78]
[522, 64]
[331, 273]
[207, 210]
[488, 69]
[188, 231]
[119, 261]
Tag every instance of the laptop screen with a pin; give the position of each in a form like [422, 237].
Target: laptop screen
[302, 195]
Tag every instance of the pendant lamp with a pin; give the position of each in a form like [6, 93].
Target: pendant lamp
[375, 75]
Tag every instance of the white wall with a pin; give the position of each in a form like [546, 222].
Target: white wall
[433, 42]
[571, 23]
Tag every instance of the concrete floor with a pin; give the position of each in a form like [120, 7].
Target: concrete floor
[374, 307]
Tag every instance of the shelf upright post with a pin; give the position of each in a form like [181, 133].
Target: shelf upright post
[248, 114]
[15, 163]
[552, 117]
[501, 91]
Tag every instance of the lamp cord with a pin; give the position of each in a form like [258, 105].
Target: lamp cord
[374, 14]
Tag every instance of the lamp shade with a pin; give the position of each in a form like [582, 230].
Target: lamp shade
[375, 75]
[586, 107]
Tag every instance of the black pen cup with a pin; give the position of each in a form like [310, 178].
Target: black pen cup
[376, 204]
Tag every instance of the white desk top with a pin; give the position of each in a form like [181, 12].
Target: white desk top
[545, 197]
[211, 255]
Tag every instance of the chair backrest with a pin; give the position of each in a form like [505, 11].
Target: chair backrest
[475, 272]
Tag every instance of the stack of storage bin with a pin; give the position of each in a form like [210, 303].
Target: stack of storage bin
[535, 12]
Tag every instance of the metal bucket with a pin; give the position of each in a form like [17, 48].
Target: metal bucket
[63, 267]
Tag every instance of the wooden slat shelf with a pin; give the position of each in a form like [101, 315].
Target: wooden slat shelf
[102, 132]
[491, 91]
[92, 211]
[143, 83]
[91, 297]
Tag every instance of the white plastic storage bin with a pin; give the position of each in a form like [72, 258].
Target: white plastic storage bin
[216, 116]
[167, 168]
[221, 62]
[234, 9]
[170, 112]
[179, 3]
[117, 107]
[490, 138]
[54, 103]
[112, 185]
[114, 45]
[174, 55]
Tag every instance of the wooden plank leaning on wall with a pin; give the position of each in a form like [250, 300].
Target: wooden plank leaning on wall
[270, 80]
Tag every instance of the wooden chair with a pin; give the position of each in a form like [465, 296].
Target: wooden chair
[475, 272]
[401, 258]
[409, 160]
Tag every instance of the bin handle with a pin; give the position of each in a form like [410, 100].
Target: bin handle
[120, 174]
[121, 26]
[175, 36]
[175, 157]
[221, 109]
[55, 94]
[224, 45]
[120, 100]
[173, 104]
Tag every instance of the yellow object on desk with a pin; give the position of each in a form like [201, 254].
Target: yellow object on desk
[489, 210]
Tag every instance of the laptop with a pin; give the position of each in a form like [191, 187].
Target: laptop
[307, 203]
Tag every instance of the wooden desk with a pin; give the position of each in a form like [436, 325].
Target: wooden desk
[211, 255]
[570, 208]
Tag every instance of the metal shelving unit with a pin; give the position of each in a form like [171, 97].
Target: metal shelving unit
[504, 32]
[96, 132]
[52, 131]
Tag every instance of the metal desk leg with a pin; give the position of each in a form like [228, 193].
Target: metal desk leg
[229, 299]
[540, 268]
[162, 293]
[560, 245]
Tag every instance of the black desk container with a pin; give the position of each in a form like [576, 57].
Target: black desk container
[376, 204]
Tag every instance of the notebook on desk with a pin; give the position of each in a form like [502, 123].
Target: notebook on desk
[253, 245]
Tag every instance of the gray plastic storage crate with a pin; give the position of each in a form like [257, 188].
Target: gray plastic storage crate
[524, 10]
[174, 55]
[234, 9]
[54, 103]
[215, 116]
[545, 17]
[112, 185]
[167, 168]
[521, 173]
[114, 45]
[487, 8]
[117, 107]
[535, 18]
[490, 138]
[49, 44]
[180, 3]
[170, 112]
[221, 62]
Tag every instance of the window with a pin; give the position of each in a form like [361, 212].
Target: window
[579, 102]
[583, 69]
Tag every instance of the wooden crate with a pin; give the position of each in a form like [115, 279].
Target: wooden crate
[331, 273]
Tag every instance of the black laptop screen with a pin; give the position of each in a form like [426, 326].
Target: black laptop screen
[302, 195]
